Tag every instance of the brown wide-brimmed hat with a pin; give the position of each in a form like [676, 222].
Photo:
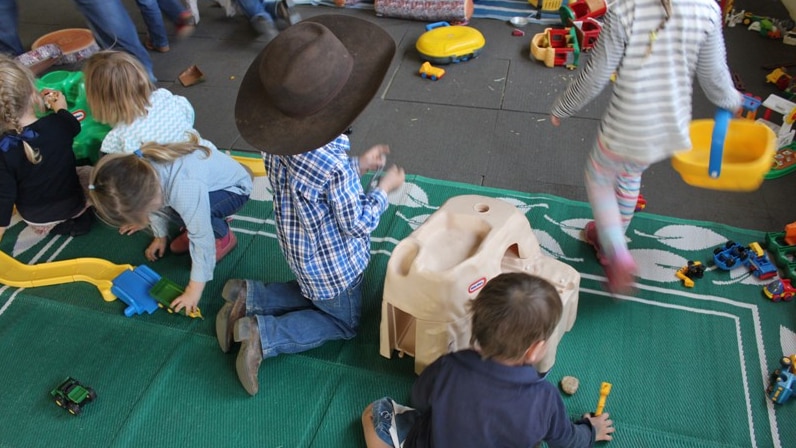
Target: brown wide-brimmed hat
[309, 83]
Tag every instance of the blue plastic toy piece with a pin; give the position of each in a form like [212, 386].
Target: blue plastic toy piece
[730, 255]
[722, 121]
[782, 383]
[132, 288]
[431, 26]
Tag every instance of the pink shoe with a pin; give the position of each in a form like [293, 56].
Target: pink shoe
[621, 272]
[590, 235]
[180, 244]
[225, 244]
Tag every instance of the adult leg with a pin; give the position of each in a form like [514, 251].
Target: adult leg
[9, 28]
[153, 19]
[175, 11]
[252, 8]
[283, 12]
[113, 28]
[260, 20]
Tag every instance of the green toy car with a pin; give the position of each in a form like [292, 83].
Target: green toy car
[71, 395]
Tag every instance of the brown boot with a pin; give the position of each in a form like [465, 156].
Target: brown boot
[250, 355]
[234, 294]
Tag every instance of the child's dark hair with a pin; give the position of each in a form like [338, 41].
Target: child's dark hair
[511, 313]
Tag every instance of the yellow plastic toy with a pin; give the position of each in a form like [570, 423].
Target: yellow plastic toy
[96, 271]
[605, 389]
[739, 164]
[445, 44]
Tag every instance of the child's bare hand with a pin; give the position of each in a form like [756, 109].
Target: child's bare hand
[373, 158]
[393, 178]
[156, 249]
[129, 229]
[555, 120]
[602, 425]
[54, 99]
[189, 299]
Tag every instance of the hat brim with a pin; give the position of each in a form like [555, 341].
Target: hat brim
[265, 127]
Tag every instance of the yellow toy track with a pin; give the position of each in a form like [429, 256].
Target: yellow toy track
[96, 271]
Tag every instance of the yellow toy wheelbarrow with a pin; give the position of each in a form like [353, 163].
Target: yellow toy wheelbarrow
[727, 154]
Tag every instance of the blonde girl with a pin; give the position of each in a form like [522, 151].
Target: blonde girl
[197, 186]
[119, 93]
[37, 166]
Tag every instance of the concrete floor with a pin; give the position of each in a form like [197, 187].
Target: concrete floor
[486, 122]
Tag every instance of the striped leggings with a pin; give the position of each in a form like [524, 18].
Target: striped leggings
[613, 186]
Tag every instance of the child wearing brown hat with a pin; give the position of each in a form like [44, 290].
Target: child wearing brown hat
[295, 102]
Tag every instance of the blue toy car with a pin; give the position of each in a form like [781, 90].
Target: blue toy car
[759, 263]
[782, 384]
[730, 256]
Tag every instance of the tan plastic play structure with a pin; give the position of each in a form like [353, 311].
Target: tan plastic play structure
[433, 273]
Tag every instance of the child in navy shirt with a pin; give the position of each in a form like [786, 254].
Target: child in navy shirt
[490, 395]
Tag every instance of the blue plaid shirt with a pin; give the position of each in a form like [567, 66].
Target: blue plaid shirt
[323, 216]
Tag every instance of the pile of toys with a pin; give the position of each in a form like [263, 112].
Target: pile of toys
[766, 26]
[729, 256]
[563, 46]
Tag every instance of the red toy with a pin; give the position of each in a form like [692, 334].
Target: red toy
[779, 289]
[582, 10]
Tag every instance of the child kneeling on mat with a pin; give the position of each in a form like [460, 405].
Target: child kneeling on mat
[200, 185]
[295, 102]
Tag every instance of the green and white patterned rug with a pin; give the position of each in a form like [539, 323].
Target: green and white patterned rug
[689, 367]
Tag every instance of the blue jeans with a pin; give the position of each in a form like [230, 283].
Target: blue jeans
[291, 323]
[258, 8]
[9, 28]
[113, 28]
[383, 415]
[153, 18]
[222, 204]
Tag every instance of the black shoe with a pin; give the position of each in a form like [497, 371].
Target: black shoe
[76, 226]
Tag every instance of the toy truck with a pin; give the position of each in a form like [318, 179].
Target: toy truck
[428, 71]
[782, 383]
[732, 255]
[759, 263]
[71, 395]
[687, 273]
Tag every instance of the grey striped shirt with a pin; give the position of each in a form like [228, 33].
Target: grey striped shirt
[649, 112]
